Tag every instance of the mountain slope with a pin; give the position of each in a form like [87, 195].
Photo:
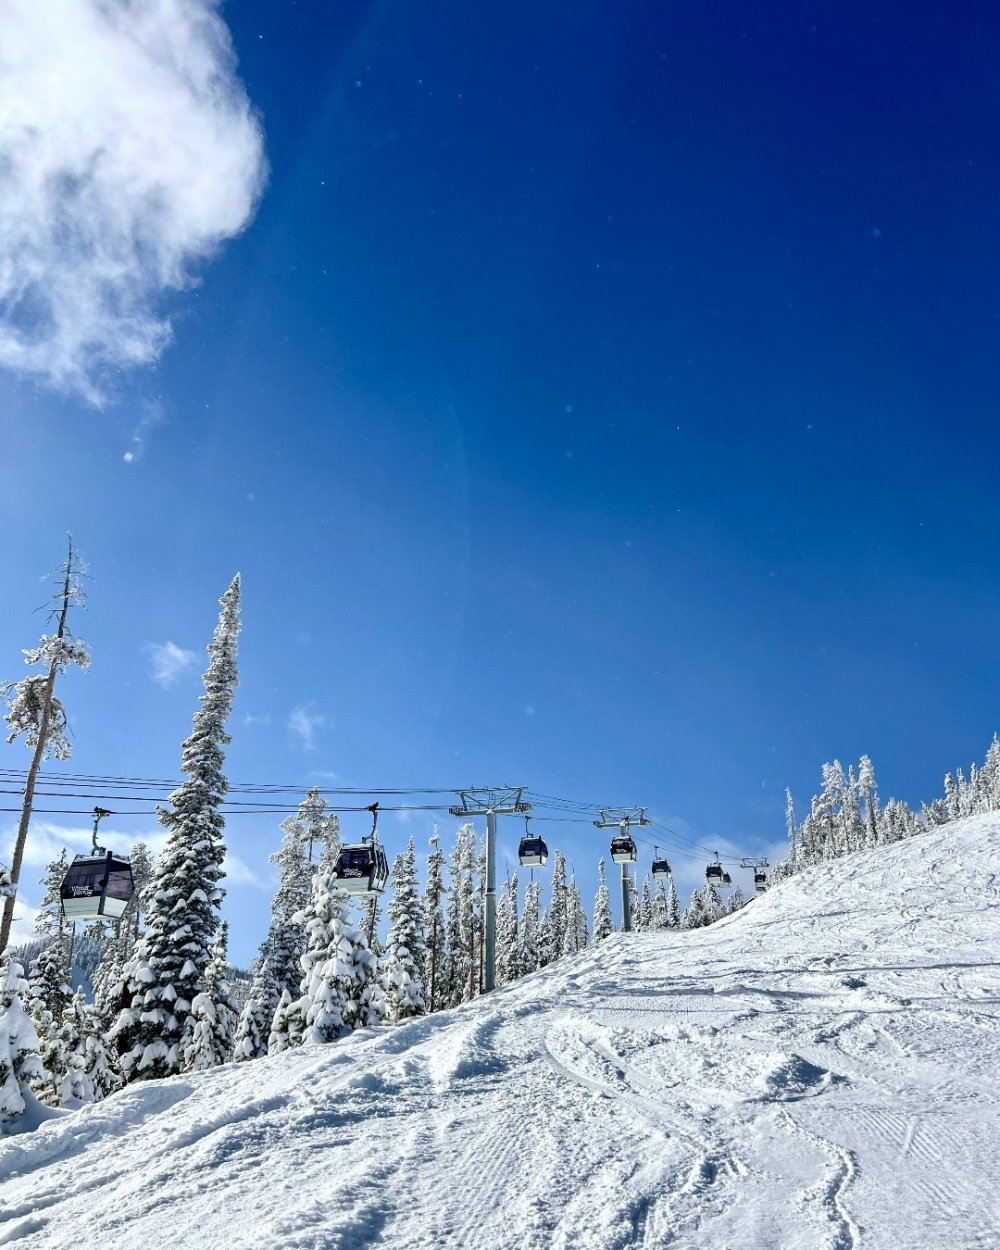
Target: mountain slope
[817, 1071]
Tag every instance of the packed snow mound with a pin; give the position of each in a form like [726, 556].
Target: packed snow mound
[816, 1071]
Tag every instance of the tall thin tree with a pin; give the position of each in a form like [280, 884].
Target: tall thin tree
[167, 967]
[34, 710]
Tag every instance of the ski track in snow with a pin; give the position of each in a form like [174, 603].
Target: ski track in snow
[815, 1073]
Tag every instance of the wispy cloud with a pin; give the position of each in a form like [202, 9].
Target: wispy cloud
[129, 151]
[168, 662]
[240, 873]
[250, 719]
[151, 416]
[303, 723]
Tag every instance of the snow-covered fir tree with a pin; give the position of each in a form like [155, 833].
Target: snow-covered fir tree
[646, 907]
[694, 914]
[165, 971]
[19, 1062]
[712, 906]
[736, 901]
[405, 946]
[660, 906]
[48, 997]
[604, 924]
[90, 1072]
[434, 953]
[287, 1024]
[575, 935]
[286, 939]
[529, 926]
[459, 968]
[257, 1014]
[545, 943]
[508, 938]
[673, 916]
[339, 982]
[50, 920]
[143, 865]
[557, 904]
[211, 1023]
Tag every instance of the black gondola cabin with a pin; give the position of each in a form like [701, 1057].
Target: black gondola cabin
[362, 868]
[623, 849]
[532, 853]
[661, 870]
[97, 887]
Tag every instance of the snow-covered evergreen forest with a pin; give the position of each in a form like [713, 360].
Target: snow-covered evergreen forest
[153, 995]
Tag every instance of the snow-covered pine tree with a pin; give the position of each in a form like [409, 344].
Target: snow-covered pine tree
[108, 979]
[575, 936]
[405, 947]
[659, 906]
[338, 968]
[855, 831]
[48, 997]
[736, 901]
[673, 910]
[34, 710]
[459, 967]
[529, 927]
[286, 939]
[368, 922]
[604, 924]
[50, 920]
[869, 795]
[545, 944]
[211, 1023]
[257, 1015]
[141, 861]
[712, 906]
[19, 1062]
[90, 1065]
[646, 907]
[434, 954]
[557, 906]
[508, 938]
[287, 1025]
[316, 829]
[694, 915]
[166, 968]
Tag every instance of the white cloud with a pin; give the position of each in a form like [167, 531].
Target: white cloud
[263, 719]
[240, 873]
[168, 662]
[303, 723]
[128, 151]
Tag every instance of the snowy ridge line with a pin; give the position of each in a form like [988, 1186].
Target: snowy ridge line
[817, 1071]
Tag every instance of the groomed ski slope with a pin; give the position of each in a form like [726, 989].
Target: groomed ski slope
[818, 1071]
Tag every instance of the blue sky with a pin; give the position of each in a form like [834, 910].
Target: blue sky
[595, 397]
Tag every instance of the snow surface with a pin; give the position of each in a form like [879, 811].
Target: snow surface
[818, 1071]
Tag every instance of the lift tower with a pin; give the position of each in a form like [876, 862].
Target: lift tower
[621, 818]
[491, 802]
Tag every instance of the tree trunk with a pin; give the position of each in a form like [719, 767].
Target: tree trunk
[36, 761]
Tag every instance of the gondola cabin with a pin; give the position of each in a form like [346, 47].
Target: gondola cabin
[727, 881]
[661, 870]
[97, 887]
[362, 868]
[759, 882]
[532, 853]
[623, 849]
[713, 874]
